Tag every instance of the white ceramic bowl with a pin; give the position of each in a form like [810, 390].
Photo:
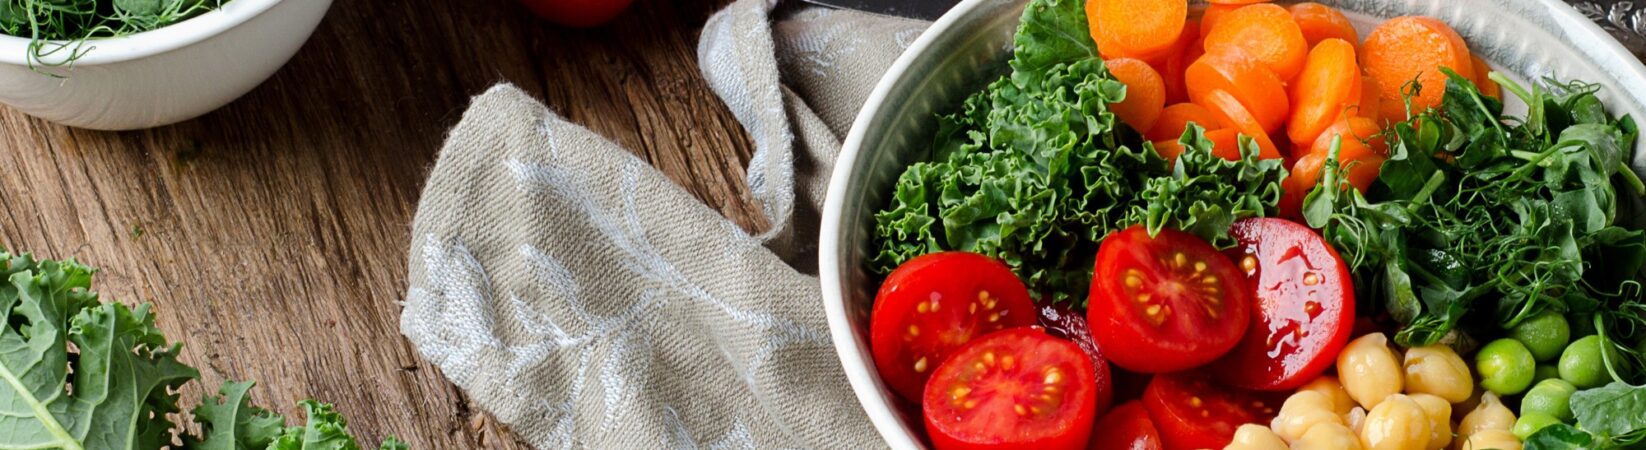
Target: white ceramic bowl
[968, 46]
[163, 76]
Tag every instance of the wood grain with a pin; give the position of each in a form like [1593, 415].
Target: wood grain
[272, 234]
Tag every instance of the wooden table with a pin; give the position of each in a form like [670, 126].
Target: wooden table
[272, 234]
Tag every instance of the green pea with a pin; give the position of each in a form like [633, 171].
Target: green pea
[1545, 335]
[1581, 363]
[1545, 372]
[1505, 366]
[1551, 397]
[1530, 423]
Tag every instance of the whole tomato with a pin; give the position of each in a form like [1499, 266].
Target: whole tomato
[577, 13]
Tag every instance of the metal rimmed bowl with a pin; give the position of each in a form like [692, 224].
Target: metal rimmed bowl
[967, 47]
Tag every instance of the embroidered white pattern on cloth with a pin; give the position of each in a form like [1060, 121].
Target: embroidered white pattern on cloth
[585, 300]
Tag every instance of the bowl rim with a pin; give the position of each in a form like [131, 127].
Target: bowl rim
[15, 50]
[864, 381]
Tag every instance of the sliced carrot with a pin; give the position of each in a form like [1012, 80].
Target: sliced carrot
[1320, 22]
[1145, 92]
[1357, 132]
[1407, 48]
[1362, 169]
[1235, 2]
[1171, 66]
[1212, 14]
[1320, 92]
[1142, 29]
[1225, 144]
[1168, 149]
[1486, 85]
[1232, 115]
[1265, 31]
[1257, 88]
[1370, 98]
[1177, 117]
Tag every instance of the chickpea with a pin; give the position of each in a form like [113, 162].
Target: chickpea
[1369, 371]
[1436, 369]
[1355, 418]
[1328, 436]
[1329, 386]
[1439, 412]
[1489, 415]
[1396, 423]
[1255, 437]
[1491, 439]
[1302, 411]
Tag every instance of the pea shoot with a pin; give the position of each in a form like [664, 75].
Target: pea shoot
[62, 31]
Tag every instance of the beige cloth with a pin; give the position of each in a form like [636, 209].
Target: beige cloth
[585, 300]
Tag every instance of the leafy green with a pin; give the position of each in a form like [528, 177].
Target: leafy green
[1614, 413]
[1035, 169]
[77, 373]
[1479, 214]
[229, 422]
[55, 26]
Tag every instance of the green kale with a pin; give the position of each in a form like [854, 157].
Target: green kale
[1035, 170]
[78, 373]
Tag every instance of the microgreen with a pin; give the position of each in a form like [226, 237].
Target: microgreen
[62, 31]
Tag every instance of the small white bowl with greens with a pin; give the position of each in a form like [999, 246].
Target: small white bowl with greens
[132, 64]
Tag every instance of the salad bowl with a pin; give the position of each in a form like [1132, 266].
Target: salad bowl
[163, 76]
[966, 48]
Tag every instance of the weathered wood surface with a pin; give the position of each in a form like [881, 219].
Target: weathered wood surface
[272, 234]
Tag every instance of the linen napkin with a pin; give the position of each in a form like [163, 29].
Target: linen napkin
[582, 298]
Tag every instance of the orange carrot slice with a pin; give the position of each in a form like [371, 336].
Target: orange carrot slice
[1265, 31]
[1174, 119]
[1486, 85]
[1213, 13]
[1230, 114]
[1225, 144]
[1406, 48]
[1171, 66]
[1257, 88]
[1320, 22]
[1356, 132]
[1362, 167]
[1145, 92]
[1371, 97]
[1142, 29]
[1320, 92]
[1235, 2]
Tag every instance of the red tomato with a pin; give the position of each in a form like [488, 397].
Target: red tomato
[934, 304]
[1192, 413]
[1165, 303]
[1303, 306]
[1019, 388]
[1126, 428]
[1064, 322]
[577, 13]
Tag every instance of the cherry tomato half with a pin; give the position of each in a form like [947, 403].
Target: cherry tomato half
[1192, 413]
[1128, 427]
[1303, 308]
[934, 304]
[1017, 388]
[1165, 303]
[1064, 322]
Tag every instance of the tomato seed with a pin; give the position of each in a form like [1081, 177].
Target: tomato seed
[1021, 411]
[994, 317]
[922, 308]
[1195, 402]
[1179, 259]
[1249, 264]
[960, 392]
[1053, 377]
[1311, 279]
[914, 330]
[920, 365]
[1006, 363]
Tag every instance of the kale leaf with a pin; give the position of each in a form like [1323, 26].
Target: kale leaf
[77, 373]
[1035, 170]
